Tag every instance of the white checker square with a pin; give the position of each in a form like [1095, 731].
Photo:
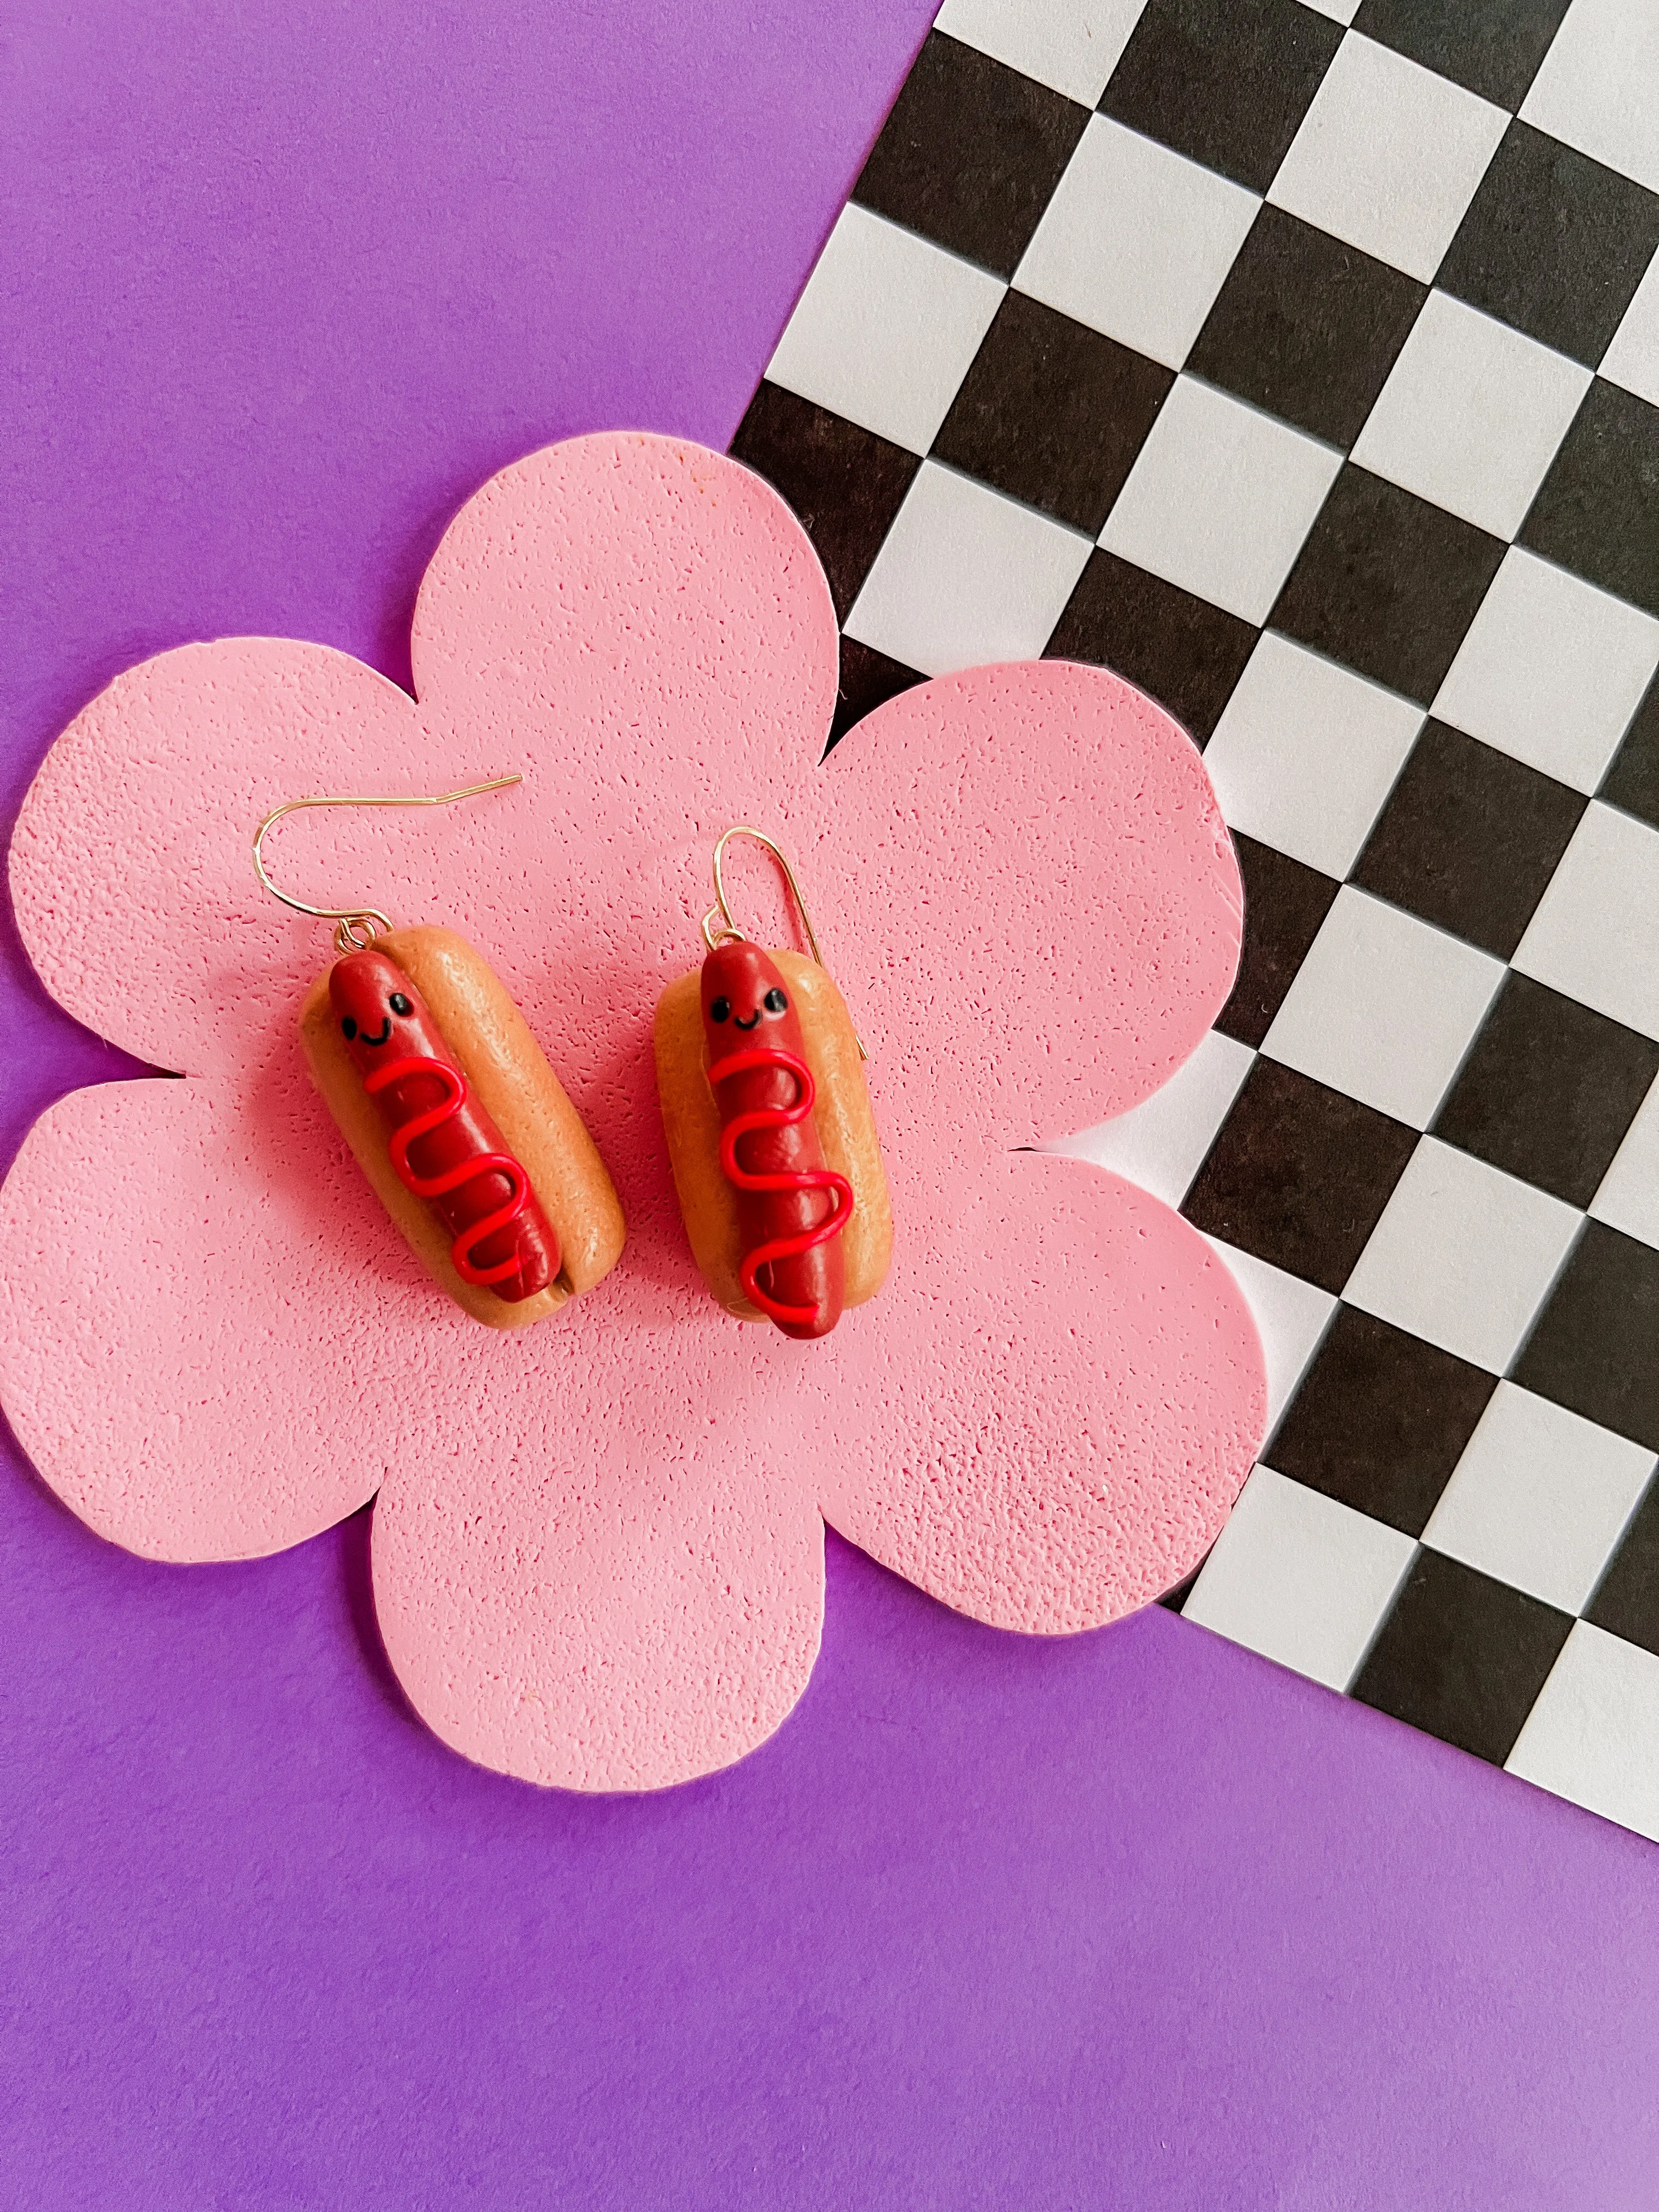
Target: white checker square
[1388, 157]
[1599, 86]
[1306, 752]
[1220, 499]
[1384, 1007]
[1463, 1256]
[1590, 1736]
[966, 575]
[1633, 359]
[1300, 1579]
[1596, 932]
[1161, 1144]
[886, 329]
[1539, 1498]
[1070, 45]
[1291, 1316]
[1629, 1196]
[1136, 241]
[1339, 11]
[1471, 414]
[1551, 671]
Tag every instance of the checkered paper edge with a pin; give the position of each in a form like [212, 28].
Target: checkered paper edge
[1562, 1688]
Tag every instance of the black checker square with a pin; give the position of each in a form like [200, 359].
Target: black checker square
[1306, 327]
[1299, 1174]
[1462, 1655]
[1181, 650]
[1595, 1348]
[1469, 839]
[868, 680]
[1388, 583]
[1226, 83]
[1632, 778]
[970, 155]
[1552, 243]
[846, 484]
[1626, 1600]
[1493, 47]
[1286, 903]
[1548, 1089]
[1052, 413]
[1380, 1421]
[1597, 511]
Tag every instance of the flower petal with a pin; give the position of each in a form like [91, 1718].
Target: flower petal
[1048, 909]
[611, 1584]
[183, 1309]
[1059, 1427]
[132, 868]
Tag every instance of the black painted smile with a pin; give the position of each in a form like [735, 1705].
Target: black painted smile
[751, 1021]
[363, 1036]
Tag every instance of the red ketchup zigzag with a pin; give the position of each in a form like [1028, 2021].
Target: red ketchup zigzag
[794, 1181]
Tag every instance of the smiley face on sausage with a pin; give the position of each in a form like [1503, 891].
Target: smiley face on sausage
[381, 1015]
[742, 988]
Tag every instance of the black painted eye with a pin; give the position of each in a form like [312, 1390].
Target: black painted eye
[349, 1029]
[400, 1005]
[719, 1010]
[774, 1002]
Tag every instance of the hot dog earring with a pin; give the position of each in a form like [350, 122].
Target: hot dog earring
[770, 1134]
[451, 1109]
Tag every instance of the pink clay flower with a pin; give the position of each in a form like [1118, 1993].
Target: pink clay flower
[597, 1543]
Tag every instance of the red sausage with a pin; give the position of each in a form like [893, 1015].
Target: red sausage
[791, 1207]
[444, 1148]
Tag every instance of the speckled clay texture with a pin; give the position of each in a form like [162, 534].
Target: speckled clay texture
[597, 1545]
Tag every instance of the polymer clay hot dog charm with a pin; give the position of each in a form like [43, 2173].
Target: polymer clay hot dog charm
[770, 1134]
[449, 1105]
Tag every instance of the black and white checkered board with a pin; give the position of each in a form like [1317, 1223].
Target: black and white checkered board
[1301, 362]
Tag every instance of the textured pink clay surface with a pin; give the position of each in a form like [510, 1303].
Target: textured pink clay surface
[598, 1545]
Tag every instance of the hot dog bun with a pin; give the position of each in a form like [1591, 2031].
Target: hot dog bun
[510, 1075]
[846, 1125]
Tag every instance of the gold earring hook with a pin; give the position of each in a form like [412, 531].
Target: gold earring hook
[728, 931]
[366, 919]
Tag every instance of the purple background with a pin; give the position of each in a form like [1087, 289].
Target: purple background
[1133, 1919]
